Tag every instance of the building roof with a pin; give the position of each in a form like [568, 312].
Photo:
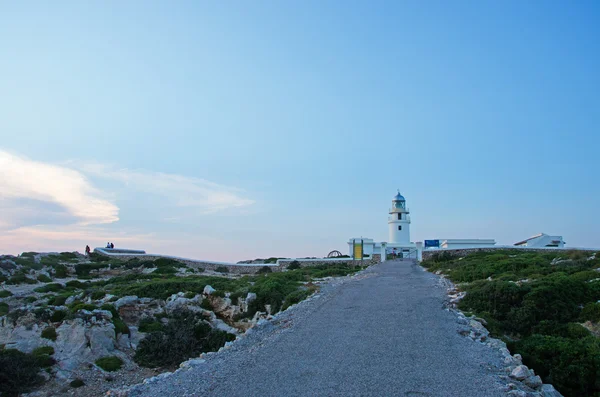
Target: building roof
[399, 197]
[530, 238]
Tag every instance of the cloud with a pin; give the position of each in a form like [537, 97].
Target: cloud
[31, 186]
[182, 191]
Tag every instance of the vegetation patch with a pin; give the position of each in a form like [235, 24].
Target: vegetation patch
[55, 287]
[42, 278]
[184, 337]
[18, 372]
[110, 363]
[77, 383]
[5, 294]
[49, 333]
[533, 302]
[3, 308]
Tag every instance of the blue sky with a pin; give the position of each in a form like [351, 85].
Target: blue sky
[252, 129]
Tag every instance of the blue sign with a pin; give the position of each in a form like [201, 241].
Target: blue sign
[432, 243]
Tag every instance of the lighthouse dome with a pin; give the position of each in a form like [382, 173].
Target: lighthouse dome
[399, 197]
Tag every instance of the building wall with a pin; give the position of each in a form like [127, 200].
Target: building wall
[244, 268]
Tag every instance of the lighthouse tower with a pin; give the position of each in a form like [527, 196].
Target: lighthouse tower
[399, 222]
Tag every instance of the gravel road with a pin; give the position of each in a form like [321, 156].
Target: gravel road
[384, 332]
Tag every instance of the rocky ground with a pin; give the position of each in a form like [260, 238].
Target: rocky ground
[389, 330]
[61, 308]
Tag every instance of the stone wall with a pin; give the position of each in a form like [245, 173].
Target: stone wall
[460, 252]
[243, 268]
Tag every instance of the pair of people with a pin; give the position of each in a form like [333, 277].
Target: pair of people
[110, 245]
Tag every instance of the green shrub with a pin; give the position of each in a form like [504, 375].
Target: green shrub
[60, 271]
[77, 383]
[222, 269]
[49, 333]
[57, 300]
[83, 269]
[20, 279]
[3, 308]
[55, 287]
[120, 326]
[5, 293]
[265, 269]
[185, 336]
[97, 294]
[189, 295]
[77, 306]
[43, 278]
[18, 372]
[47, 350]
[591, 312]
[294, 265]
[111, 308]
[31, 299]
[77, 284]
[110, 363]
[295, 297]
[148, 324]
[206, 305]
[58, 316]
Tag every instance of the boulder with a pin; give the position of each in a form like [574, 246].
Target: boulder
[521, 372]
[250, 297]
[79, 343]
[208, 290]
[550, 391]
[126, 300]
[535, 382]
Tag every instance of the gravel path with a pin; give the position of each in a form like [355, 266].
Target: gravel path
[384, 332]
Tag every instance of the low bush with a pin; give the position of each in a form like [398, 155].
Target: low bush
[77, 306]
[295, 297]
[110, 363]
[55, 287]
[3, 308]
[49, 333]
[5, 294]
[77, 383]
[222, 269]
[185, 336]
[19, 372]
[97, 294]
[48, 350]
[57, 300]
[20, 279]
[31, 299]
[265, 269]
[591, 312]
[42, 278]
[148, 324]
[77, 284]
[60, 271]
[83, 269]
[58, 316]
[120, 326]
[294, 265]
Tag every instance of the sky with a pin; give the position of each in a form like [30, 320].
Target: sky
[239, 130]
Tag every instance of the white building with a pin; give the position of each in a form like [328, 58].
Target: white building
[456, 243]
[398, 234]
[542, 240]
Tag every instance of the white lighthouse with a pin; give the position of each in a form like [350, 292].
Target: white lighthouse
[399, 222]
[399, 245]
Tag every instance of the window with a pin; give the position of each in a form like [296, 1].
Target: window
[399, 216]
[400, 227]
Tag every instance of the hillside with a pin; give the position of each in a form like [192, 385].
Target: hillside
[545, 306]
[94, 323]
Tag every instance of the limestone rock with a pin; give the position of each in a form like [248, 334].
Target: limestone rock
[208, 290]
[550, 391]
[534, 382]
[250, 297]
[126, 300]
[521, 372]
